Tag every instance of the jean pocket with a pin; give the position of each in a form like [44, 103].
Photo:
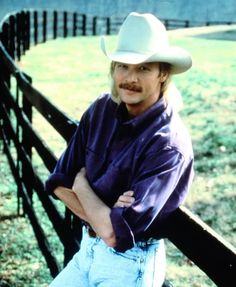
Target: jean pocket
[133, 254]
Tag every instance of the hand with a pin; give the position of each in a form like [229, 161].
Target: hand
[125, 200]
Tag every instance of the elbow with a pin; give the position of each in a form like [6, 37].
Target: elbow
[110, 240]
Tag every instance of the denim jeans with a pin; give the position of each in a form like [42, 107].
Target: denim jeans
[96, 264]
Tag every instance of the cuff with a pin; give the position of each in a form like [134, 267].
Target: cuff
[58, 179]
[124, 235]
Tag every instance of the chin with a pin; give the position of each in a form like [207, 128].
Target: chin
[129, 100]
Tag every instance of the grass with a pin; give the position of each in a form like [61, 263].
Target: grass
[72, 73]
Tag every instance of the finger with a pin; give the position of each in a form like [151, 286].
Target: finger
[122, 204]
[125, 198]
[83, 170]
[118, 204]
[129, 193]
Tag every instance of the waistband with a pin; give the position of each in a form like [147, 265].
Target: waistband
[149, 241]
[142, 243]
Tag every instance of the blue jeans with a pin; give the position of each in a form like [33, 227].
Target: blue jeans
[96, 264]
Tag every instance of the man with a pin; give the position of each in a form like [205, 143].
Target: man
[129, 164]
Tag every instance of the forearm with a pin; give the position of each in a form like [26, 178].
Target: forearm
[68, 197]
[97, 212]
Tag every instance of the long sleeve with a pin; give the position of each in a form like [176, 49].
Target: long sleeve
[160, 186]
[70, 161]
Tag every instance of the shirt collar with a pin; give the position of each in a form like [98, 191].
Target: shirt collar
[141, 120]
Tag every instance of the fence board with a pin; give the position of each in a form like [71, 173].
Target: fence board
[43, 150]
[39, 233]
[64, 125]
[58, 119]
[203, 246]
[33, 181]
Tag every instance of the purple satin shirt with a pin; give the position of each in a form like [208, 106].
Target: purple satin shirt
[150, 154]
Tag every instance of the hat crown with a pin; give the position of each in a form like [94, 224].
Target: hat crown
[143, 38]
[143, 33]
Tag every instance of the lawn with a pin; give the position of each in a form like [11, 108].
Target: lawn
[72, 73]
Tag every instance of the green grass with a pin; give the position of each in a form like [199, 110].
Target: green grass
[72, 73]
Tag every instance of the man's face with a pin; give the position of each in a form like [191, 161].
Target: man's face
[138, 86]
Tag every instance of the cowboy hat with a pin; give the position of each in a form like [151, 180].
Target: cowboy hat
[143, 38]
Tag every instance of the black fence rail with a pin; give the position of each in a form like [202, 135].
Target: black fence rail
[19, 99]
[20, 30]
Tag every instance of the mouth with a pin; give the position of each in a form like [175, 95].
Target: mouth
[130, 87]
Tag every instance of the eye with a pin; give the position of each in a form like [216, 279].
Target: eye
[144, 68]
[122, 66]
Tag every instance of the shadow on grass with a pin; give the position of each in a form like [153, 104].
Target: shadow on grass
[8, 217]
[225, 36]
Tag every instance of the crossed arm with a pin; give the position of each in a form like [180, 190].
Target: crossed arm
[83, 202]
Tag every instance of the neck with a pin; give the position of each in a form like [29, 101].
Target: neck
[137, 109]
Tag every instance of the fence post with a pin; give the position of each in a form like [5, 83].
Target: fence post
[65, 30]
[4, 81]
[84, 23]
[44, 26]
[74, 24]
[94, 25]
[75, 224]
[27, 30]
[166, 23]
[35, 27]
[23, 31]
[12, 36]
[55, 17]
[18, 164]
[108, 26]
[18, 35]
[5, 41]
[26, 142]
[1, 115]
[5, 36]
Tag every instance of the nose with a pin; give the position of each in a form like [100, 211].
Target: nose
[131, 77]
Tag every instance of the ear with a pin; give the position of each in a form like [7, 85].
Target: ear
[164, 76]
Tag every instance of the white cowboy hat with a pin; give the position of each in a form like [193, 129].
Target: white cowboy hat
[143, 38]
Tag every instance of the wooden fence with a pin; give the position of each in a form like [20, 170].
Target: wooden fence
[19, 99]
[33, 27]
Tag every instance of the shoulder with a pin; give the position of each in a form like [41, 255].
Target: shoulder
[170, 133]
[103, 103]
[179, 136]
[100, 114]
[105, 100]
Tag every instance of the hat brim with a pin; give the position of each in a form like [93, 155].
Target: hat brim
[179, 59]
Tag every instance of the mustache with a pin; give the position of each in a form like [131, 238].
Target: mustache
[131, 87]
